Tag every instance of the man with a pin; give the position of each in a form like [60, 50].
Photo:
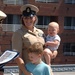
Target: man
[2, 17]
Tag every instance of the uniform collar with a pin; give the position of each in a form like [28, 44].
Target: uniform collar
[25, 29]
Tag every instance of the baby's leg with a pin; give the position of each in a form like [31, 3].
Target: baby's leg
[48, 55]
[54, 54]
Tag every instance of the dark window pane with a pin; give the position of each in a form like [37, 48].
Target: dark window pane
[69, 49]
[46, 20]
[13, 19]
[67, 21]
[40, 20]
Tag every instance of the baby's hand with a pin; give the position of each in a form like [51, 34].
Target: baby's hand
[46, 44]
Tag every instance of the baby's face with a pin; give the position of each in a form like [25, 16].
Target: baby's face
[52, 30]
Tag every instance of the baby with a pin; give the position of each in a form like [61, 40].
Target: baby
[52, 42]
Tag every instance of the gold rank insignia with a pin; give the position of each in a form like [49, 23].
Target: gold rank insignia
[40, 35]
[28, 9]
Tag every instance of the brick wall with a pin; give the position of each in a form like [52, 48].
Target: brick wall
[5, 43]
[1, 73]
[59, 11]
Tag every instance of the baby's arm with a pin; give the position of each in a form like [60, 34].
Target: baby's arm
[52, 43]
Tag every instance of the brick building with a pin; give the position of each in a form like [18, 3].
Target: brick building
[61, 11]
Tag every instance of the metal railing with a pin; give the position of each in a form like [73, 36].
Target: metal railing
[14, 27]
[10, 27]
[69, 27]
[69, 53]
[46, 1]
[70, 1]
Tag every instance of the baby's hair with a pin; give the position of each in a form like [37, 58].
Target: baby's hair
[36, 48]
[54, 24]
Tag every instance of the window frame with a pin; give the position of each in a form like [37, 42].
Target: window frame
[70, 1]
[69, 23]
[47, 1]
[67, 49]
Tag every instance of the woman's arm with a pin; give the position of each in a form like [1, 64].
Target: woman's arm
[17, 45]
[21, 65]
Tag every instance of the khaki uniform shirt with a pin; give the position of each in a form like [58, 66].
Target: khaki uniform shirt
[23, 38]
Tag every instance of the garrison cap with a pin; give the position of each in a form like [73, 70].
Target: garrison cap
[2, 15]
[29, 10]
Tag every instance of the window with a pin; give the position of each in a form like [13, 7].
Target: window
[70, 1]
[46, 20]
[12, 23]
[13, 1]
[69, 23]
[69, 49]
[13, 19]
[40, 20]
[46, 1]
[43, 21]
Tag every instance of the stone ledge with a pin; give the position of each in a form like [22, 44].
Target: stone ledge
[63, 68]
[55, 68]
